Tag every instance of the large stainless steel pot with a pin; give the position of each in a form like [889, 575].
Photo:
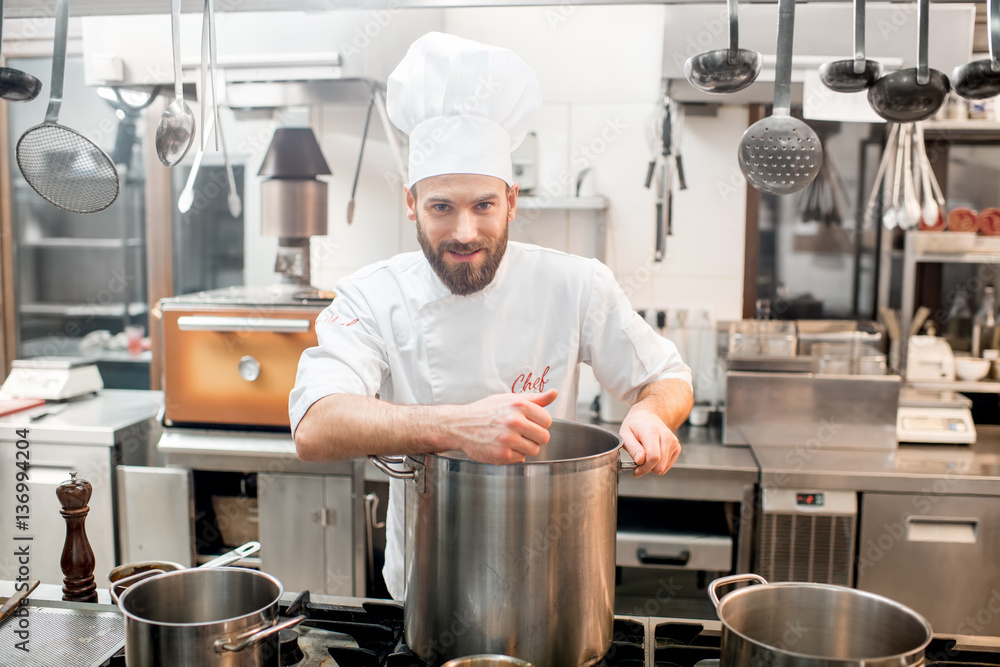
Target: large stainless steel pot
[516, 559]
[220, 617]
[793, 624]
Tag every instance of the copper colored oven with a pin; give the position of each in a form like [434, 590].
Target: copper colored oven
[230, 356]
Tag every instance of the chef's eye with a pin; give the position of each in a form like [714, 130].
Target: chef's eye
[484, 205]
[441, 208]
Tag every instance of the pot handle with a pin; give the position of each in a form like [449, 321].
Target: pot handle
[626, 465]
[383, 463]
[724, 581]
[255, 636]
[130, 580]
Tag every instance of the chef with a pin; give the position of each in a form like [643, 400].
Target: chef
[474, 344]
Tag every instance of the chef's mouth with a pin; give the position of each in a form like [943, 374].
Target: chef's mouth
[464, 255]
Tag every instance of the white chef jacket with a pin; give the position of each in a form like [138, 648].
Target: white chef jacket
[397, 331]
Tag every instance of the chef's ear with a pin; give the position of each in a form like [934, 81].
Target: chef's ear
[512, 201]
[411, 203]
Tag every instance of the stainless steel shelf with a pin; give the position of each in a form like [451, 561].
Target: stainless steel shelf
[979, 387]
[82, 309]
[958, 257]
[70, 242]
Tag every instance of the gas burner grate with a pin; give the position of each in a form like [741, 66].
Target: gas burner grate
[377, 628]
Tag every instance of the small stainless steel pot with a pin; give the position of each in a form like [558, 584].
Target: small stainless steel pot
[792, 624]
[487, 661]
[516, 559]
[220, 617]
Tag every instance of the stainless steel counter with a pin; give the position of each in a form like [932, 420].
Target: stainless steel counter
[937, 469]
[241, 451]
[98, 420]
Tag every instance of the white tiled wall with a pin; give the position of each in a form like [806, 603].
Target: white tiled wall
[599, 68]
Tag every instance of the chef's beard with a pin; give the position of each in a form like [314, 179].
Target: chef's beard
[467, 277]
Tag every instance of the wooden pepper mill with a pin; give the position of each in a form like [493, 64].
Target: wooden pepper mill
[77, 557]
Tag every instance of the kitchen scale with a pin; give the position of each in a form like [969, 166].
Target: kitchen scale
[934, 417]
[52, 378]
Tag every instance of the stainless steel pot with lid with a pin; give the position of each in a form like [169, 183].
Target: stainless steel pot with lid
[515, 559]
[816, 625]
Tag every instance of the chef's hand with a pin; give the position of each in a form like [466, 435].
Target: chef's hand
[503, 428]
[652, 445]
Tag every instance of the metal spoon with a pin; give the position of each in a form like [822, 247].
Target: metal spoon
[15, 85]
[357, 172]
[890, 218]
[233, 198]
[981, 79]
[724, 70]
[186, 198]
[851, 76]
[913, 94]
[882, 168]
[780, 154]
[175, 133]
[909, 215]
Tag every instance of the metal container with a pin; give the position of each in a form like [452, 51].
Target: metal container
[293, 207]
[816, 625]
[220, 617]
[825, 412]
[516, 559]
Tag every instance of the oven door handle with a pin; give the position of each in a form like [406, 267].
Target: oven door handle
[679, 560]
[222, 324]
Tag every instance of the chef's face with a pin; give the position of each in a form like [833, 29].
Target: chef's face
[462, 222]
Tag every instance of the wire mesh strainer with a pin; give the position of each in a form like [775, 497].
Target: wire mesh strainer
[60, 164]
[780, 154]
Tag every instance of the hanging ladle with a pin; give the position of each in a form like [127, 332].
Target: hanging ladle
[175, 132]
[852, 76]
[981, 79]
[913, 94]
[15, 85]
[361, 153]
[724, 70]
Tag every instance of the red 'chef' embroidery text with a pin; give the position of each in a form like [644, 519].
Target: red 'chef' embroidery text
[333, 320]
[525, 383]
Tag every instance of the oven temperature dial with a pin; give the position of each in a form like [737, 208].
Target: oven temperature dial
[249, 368]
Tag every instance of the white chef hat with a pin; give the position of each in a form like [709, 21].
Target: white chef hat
[465, 106]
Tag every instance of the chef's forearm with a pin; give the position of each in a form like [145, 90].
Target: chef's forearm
[345, 426]
[671, 400]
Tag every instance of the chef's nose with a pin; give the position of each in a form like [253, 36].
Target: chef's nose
[465, 227]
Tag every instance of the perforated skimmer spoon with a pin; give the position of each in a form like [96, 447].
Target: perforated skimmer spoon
[60, 164]
[780, 154]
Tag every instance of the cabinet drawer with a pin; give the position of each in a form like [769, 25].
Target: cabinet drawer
[689, 551]
[936, 554]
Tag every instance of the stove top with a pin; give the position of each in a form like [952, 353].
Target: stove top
[370, 634]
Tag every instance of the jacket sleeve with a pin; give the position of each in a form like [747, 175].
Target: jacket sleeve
[350, 357]
[624, 351]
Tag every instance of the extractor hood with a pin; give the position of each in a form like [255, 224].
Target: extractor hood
[823, 32]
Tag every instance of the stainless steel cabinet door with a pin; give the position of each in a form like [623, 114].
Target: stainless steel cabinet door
[155, 514]
[292, 530]
[340, 539]
[935, 554]
[50, 466]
